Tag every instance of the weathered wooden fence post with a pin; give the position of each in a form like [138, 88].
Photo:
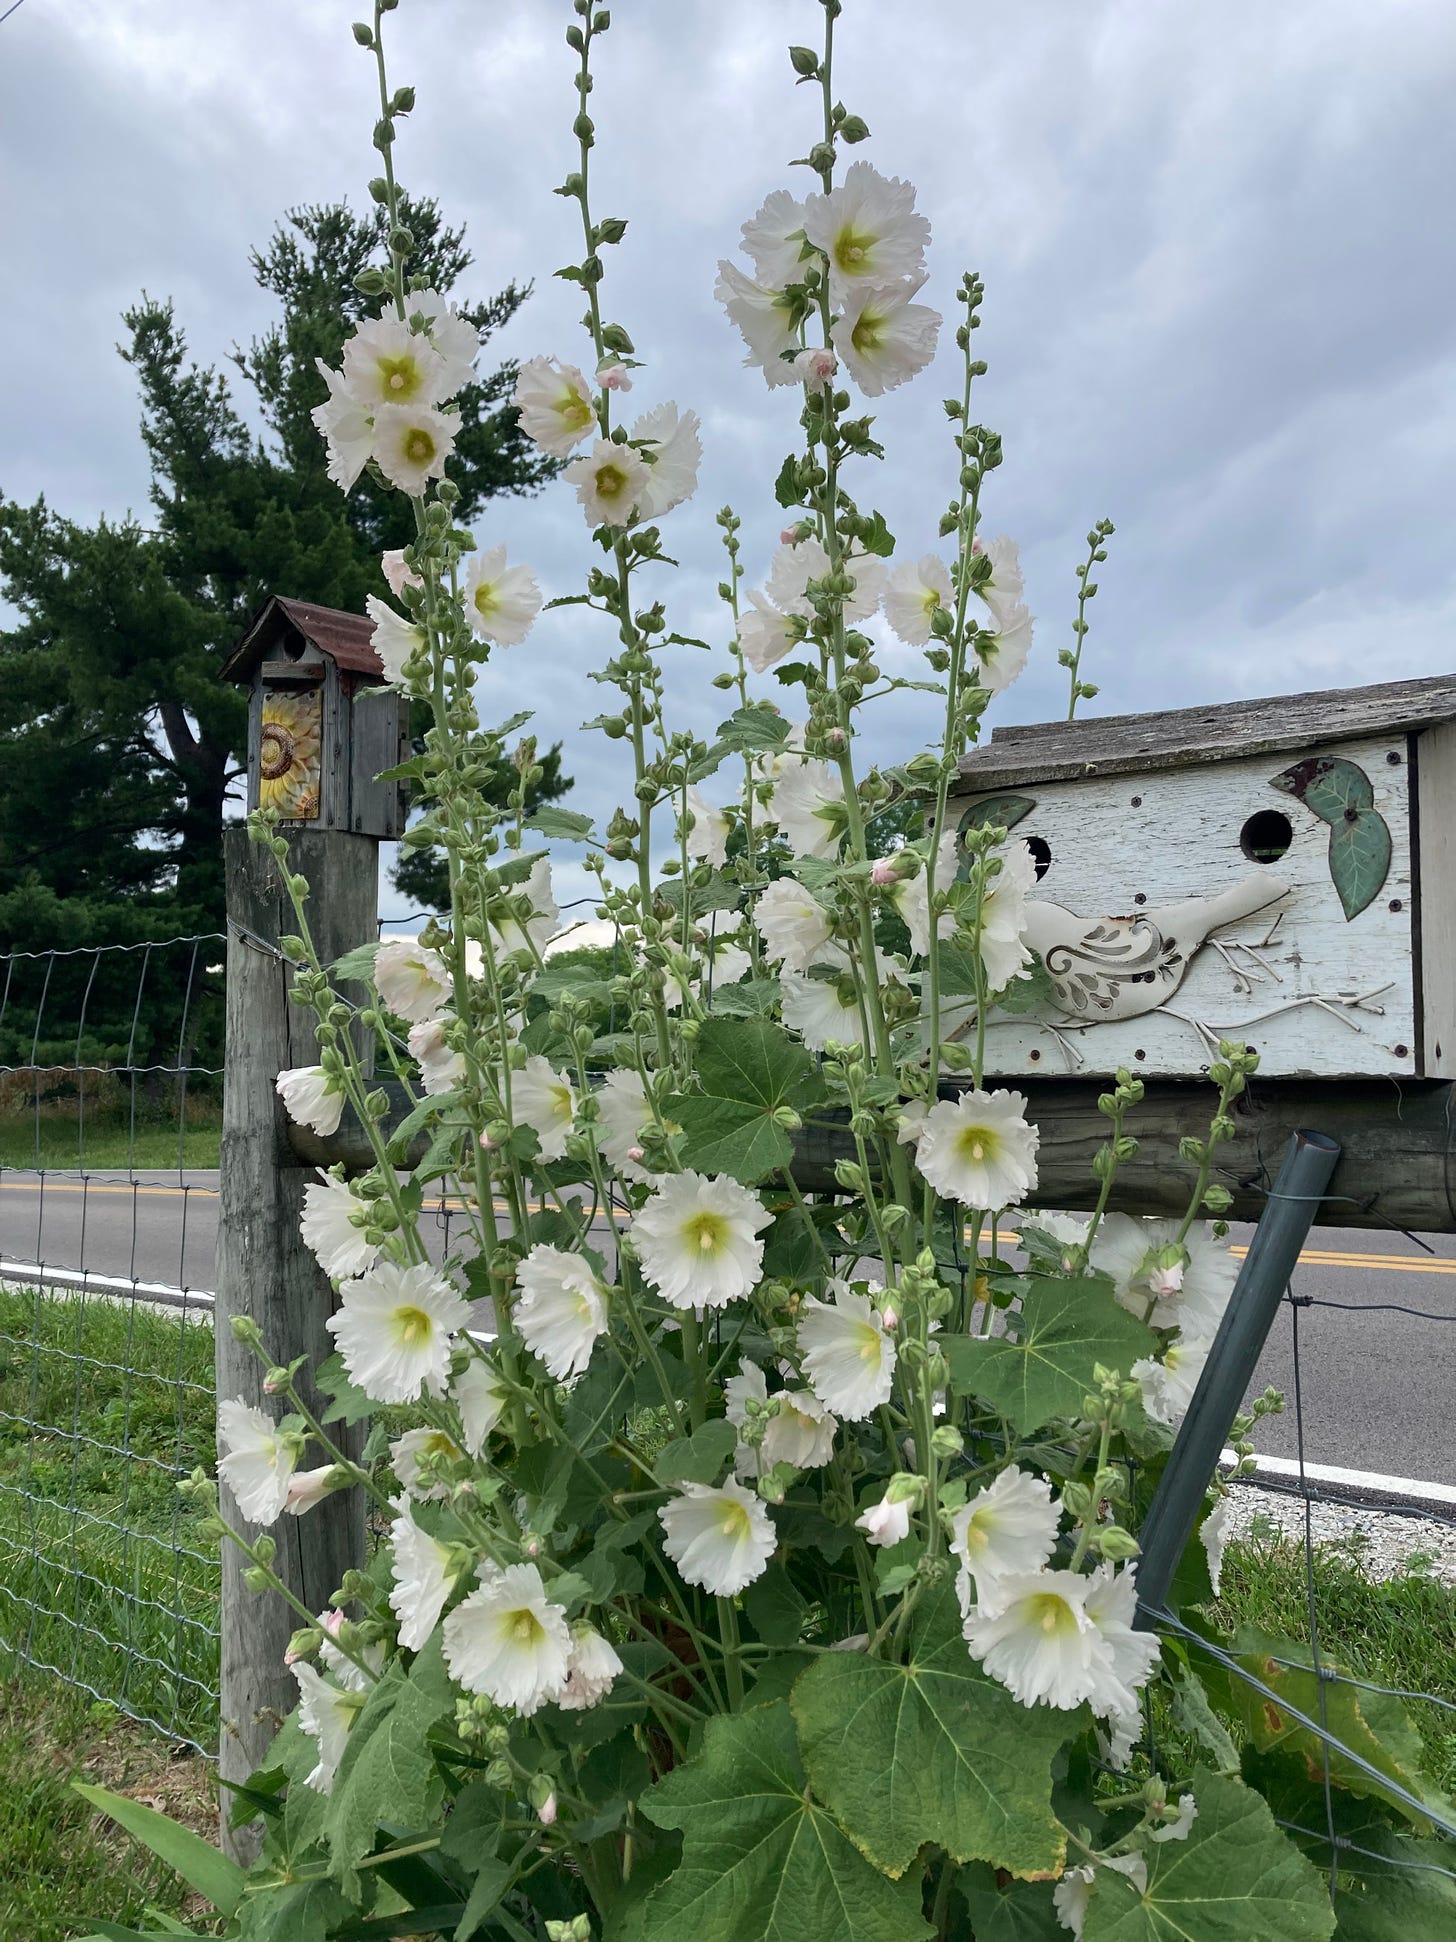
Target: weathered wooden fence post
[311, 757]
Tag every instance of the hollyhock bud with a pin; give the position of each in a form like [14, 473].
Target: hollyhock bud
[636, 1154]
[614, 377]
[815, 367]
[889, 1319]
[487, 1144]
[789, 536]
[882, 872]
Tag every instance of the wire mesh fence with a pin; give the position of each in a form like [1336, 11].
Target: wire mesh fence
[110, 1114]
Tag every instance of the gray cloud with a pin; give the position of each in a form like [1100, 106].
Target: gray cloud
[1219, 263]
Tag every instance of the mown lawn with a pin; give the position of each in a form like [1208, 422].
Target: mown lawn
[108, 1139]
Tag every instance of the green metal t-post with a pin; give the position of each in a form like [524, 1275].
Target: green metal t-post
[1278, 1239]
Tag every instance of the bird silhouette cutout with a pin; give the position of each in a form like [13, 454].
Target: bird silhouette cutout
[1105, 968]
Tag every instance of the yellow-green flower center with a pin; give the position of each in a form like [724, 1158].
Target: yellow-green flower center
[573, 411]
[611, 482]
[400, 377]
[1050, 1613]
[525, 1628]
[709, 1230]
[869, 331]
[930, 598]
[735, 1523]
[853, 249]
[981, 1144]
[419, 447]
[413, 1326]
[560, 1097]
[487, 598]
[870, 1342]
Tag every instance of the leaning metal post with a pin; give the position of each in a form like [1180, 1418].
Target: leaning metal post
[1283, 1228]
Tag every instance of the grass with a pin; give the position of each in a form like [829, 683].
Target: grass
[120, 1400]
[60, 1864]
[108, 1138]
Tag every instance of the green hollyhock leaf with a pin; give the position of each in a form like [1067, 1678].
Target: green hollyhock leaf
[933, 1750]
[698, 1458]
[753, 730]
[1022, 1911]
[1235, 1878]
[567, 824]
[388, 1772]
[762, 1859]
[748, 1068]
[1043, 1366]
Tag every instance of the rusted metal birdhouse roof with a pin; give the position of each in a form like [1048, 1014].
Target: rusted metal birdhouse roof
[345, 638]
[1221, 732]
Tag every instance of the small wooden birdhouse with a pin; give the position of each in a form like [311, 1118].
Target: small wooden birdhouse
[321, 725]
[1281, 872]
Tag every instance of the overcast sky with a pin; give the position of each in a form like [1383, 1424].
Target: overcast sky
[1217, 242]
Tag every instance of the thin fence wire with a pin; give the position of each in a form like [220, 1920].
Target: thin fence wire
[110, 1111]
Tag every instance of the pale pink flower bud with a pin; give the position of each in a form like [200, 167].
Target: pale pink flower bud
[397, 573]
[815, 367]
[1163, 1282]
[637, 1154]
[307, 1488]
[882, 871]
[533, 1547]
[837, 739]
[885, 1523]
[487, 1144]
[789, 536]
[546, 1812]
[889, 1320]
[331, 1622]
[614, 377]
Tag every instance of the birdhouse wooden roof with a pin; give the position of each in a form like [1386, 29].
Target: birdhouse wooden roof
[1191, 737]
[346, 639]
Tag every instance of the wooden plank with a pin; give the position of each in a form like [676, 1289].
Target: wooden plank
[1024, 753]
[1397, 1167]
[263, 1268]
[1129, 845]
[1435, 769]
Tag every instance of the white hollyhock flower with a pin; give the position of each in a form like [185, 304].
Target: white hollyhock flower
[333, 1232]
[766, 319]
[387, 363]
[611, 482]
[1003, 654]
[793, 925]
[312, 1098]
[886, 1522]
[727, 965]
[308, 1488]
[411, 979]
[561, 1311]
[1073, 1893]
[542, 1099]
[676, 453]
[697, 1240]
[1130, 1655]
[613, 376]
[774, 238]
[1005, 1530]
[1005, 586]
[254, 1460]
[508, 1640]
[978, 1149]
[917, 589]
[847, 1351]
[347, 429]
[397, 575]
[801, 1433]
[884, 336]
[393, 1331]
[1004, 950]
[720, 1539]
[421, 1578]
[808, 800]
[455, 338]
[793, 567]
[480, 1396]
[869, 230]
[1214, 1533]
[540, 927]
[708, 837]
[764, 634]
[501, 602]
[1126, 1249]
[394, 638]
[1168, 1385]
[1182, 1827]
[911, 897]
[412, 443]
[591, 1669]
[405, 1456]
[325, 1712]
[440, 1067]
[555, 403]
[622, 1105]
[1039, 1641]
[823, 1011]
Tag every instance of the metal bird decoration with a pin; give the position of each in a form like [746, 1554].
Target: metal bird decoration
[1107, 968]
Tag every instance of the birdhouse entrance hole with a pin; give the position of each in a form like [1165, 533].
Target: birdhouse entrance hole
[1041, 855]
[1266, 836]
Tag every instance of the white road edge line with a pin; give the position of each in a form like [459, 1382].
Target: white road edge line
[1361, 1483]
[164, 1293]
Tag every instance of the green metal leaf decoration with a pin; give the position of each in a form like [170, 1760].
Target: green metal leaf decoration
[1006, 811]
[1340, 794]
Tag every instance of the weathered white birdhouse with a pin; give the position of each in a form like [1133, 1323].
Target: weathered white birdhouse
[321, 725]
[1281, 872]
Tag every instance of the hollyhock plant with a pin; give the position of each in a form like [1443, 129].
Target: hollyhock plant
[755, 1529]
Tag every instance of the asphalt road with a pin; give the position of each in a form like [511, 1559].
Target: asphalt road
[1377, 1345]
